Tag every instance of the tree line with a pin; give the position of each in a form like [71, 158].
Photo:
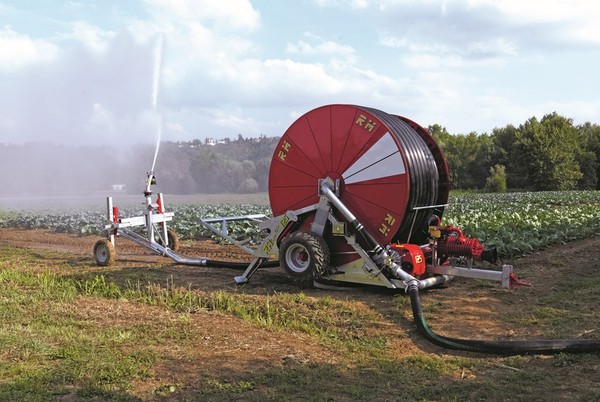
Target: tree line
[547, 154]
[538, 155]
[238, 166]
[189, 167]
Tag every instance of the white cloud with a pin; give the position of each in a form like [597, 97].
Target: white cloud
[218, 80]
[235, 14]
[577, 19]
[203, 40]
[20, 50]
[354, 4]
[472, 31]
[255, 81]
[289, 83]
[494, 52]
[91, 36]
[326, 48]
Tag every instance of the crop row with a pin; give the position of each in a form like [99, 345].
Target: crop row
[91, 222]
[516, 223]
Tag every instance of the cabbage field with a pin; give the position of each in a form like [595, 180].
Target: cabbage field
[516, 223]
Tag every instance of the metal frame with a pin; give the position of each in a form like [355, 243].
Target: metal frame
[375, 267]
[223, 231]
[119, 226]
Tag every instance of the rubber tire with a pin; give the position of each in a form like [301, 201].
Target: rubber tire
[104, 253]
[173, 239]
[304, 257]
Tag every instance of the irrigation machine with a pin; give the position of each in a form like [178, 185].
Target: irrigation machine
[357, 197]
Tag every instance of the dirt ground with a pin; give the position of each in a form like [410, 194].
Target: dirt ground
[464, 308]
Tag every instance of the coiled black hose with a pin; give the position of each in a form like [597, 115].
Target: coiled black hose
[423, 175]
[497, 347]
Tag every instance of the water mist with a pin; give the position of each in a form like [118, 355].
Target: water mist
[158, 49]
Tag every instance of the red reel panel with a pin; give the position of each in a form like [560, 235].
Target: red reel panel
[391, 172]
[348, 143]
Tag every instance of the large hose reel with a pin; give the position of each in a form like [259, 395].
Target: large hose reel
[389, 171]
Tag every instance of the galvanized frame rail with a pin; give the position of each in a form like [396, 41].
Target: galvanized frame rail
[376, 263]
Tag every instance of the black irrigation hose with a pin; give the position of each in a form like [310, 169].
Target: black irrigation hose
[423, 177]
[238, 265]
[498, 347]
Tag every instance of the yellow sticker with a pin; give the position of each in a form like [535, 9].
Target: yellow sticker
[283, 151]
[365, 123]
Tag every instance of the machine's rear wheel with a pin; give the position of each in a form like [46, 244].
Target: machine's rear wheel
[104, 253]
[304, 256]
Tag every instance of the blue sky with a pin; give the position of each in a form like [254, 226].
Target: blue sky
[82, 72]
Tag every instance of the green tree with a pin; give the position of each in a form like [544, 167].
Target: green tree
[483, 161]
[496, 181]
[249, 168]
[262, 173]
[547, 150]
[248, 186]
[468, 156]
[589, 157]
[504, 154]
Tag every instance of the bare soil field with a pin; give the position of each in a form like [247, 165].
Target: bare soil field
[233, 348]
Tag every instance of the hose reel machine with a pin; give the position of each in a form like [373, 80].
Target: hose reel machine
[357, 197]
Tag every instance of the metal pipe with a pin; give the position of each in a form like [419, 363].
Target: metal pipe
[380, 254]
[199, 262]
[434, 281]
[111, 218]
[327, 192]
[161, 250]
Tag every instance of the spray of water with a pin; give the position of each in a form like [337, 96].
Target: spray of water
[158, 50]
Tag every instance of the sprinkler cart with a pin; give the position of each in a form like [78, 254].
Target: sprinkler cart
[357, 197]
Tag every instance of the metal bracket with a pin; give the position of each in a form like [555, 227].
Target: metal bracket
[114, 226]
[269, 247]
[254, 265]
[500, 276]
[323, 211]
[223, 231]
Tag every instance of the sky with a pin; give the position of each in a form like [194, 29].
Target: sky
[122, 72]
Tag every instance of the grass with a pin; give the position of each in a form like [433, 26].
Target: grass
[325, 318]
[564, 311]
[56, 344]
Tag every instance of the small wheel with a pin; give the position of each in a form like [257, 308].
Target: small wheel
[104, 253]
[304, 256]
[173, 240]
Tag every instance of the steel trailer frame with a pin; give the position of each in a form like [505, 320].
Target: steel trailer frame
[372, 268]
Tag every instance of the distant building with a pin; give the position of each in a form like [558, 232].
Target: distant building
[212, 142]
[119, 187]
